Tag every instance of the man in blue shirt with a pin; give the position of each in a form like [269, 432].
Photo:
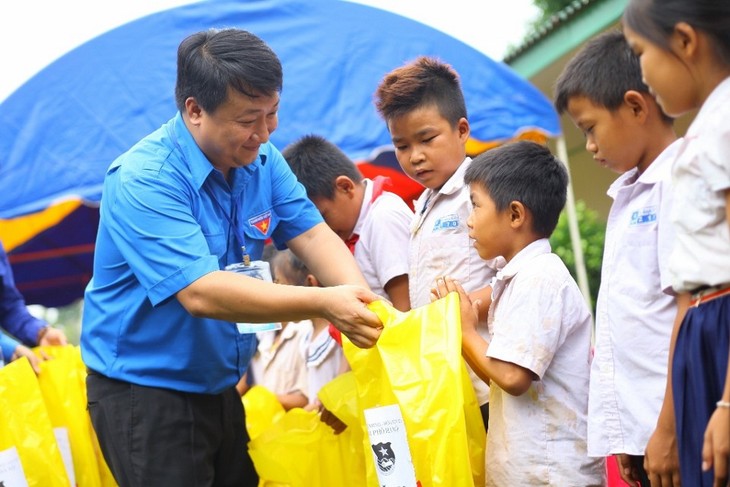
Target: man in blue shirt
[16, 320]
[159, 336]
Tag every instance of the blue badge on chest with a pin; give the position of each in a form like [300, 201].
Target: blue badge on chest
[446, 222]
[643, 216]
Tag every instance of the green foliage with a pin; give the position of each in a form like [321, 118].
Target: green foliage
[548, 8]
[551, 7]
[592, 235]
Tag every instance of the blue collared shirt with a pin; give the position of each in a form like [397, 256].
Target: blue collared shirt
[14, 315]
[168, 218]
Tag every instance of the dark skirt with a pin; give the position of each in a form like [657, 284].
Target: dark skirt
[698, 378]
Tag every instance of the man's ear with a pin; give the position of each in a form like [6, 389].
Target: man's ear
[637, 104]
[193, 111]
[345, 185]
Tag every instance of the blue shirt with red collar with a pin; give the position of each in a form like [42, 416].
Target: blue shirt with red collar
[168, 217]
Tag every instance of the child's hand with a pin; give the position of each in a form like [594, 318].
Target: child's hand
[469, 309]
[716, 447]
[327, 417]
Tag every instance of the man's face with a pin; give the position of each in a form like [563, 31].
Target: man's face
[230, 136]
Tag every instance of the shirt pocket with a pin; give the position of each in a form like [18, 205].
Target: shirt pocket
[447, 254]
[641, 263]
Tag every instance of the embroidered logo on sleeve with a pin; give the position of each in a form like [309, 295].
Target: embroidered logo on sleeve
[261, 221]
[446, 222]
[643, 216]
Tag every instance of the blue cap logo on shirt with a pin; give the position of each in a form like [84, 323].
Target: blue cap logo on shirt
[643, 216]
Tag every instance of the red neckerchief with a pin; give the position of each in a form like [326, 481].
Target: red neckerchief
[379, 185]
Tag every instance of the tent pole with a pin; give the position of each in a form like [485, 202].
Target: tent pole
[580, 265]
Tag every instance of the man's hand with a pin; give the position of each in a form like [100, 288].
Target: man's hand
[346, 308]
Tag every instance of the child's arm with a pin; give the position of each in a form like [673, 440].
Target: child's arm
[291, 400]
[661, 460]
[716, 448]
[511, 378]
[397, 290]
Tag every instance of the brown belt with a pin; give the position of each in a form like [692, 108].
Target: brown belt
[708, 294]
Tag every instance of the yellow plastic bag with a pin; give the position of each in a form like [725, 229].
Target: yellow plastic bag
[417, 365]
[296, 449]
[262, 410]
[63, 385]
[340, 397]
[25, 430]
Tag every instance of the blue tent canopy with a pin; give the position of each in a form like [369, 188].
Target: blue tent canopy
[61, 130]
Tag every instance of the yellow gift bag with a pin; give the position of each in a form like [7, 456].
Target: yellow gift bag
[417, 366]
[262, 408]
[63, 385]
[28, 447]
[296, 449]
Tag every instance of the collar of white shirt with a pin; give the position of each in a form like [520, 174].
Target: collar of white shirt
[523, 257]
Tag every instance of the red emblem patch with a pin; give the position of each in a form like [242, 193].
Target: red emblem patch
[262, 222]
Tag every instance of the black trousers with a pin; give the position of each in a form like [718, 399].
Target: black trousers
[159, 437]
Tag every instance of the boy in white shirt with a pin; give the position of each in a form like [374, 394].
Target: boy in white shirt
[537, 356]
[602, 91]
[423, 106]
[371, 220]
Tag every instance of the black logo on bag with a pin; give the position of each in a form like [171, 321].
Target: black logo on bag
[385, 457]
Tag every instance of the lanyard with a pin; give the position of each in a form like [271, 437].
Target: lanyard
[232, 222]
[232, 217]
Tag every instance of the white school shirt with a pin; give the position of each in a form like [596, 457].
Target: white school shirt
[281, 369]
[384, 229]
[700, 177]
[322, 358]
[539, 320]
[635, 312]
[440, 246]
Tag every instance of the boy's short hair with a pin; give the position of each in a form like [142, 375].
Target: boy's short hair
[286, 262]
[425, 81]
[316, 162]
[527, 172]
[602, 71]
